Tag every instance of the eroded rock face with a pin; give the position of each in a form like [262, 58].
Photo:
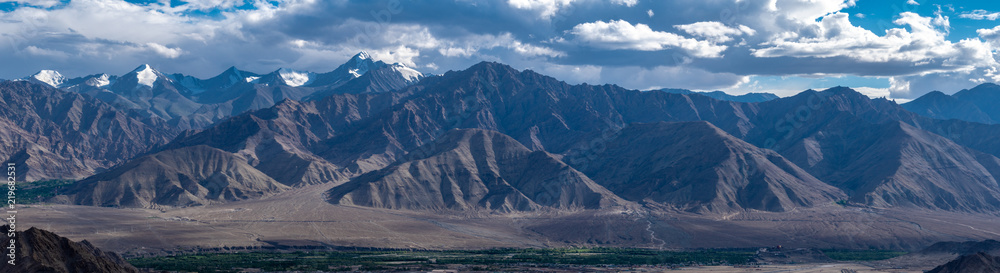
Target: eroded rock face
[43, 251]
[53, 134]
[189, 176]
[475, 169]
[695, 166]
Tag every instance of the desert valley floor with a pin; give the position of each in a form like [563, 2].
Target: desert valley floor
[301, 218]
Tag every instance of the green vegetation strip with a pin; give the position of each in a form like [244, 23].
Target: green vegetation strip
[38, 191]
[424, 260]
[861, 255]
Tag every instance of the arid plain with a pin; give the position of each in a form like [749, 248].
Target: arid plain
[301, 219]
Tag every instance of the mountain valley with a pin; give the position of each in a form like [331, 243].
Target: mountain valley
[375, 155]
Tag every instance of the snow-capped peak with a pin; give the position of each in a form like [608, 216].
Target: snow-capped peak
[363, 56]
[361, 63]
[411, 75]
[146, 75]
[50, 77]
[357, 72]
[99, 81]
[295, 78]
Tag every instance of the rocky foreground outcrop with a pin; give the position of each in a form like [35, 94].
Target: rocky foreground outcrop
[43, 251]
[979, 262]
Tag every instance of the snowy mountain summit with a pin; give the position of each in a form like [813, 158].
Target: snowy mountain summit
[192, 102]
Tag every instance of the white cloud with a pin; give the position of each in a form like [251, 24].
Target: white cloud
[872, 92]
[621, 34]
[980, 15]
[401, 54]
[33, 50]
[924, 44]
[991, 35]
[575, 74]
[211, 4]
[806, 10]
[912, 2]
[639, 78]
[941, 21]
[164, 51]
[715, 31]
[627, 3]
[545, 8]
[471, 45]
[899, 86]
[716, 51]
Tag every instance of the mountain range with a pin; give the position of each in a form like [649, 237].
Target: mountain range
[494, 139]
[51, 134]
[188, 102]
[719, 95]
[975, 105]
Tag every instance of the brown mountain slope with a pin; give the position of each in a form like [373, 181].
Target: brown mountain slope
[895, 164]
[42, 251]
[538, 111]
[695, 166]
[475, 169]
[979, 263]
[879, 153]
[280, 140]
[51, 133]
[188, 176]
[342, 136]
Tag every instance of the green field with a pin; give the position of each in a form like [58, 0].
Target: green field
[475, 260]
[484, 260]
[37, 191]
[861, 255]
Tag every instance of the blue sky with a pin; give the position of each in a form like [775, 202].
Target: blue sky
[899, 49]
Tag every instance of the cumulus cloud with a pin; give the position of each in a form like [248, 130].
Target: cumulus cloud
[872, 92]
[991, 35]
[620, 34]
[210, 4]
[471, 45]
[643, 78]
[912, 2]
[701, 45]
[715, 31]
[545, 8]
[164, 51]
[923, 44]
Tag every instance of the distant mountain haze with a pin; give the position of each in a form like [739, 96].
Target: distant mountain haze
[976, 105]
